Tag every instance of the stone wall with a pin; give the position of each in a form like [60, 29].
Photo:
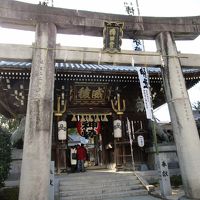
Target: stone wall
[168, 151]
[16, 164]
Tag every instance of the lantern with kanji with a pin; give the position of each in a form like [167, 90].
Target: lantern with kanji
[62, 130]
[140, 140]
[117, 124]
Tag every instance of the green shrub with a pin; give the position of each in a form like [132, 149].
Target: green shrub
[176, 180]
[9, 193]
[5, 156]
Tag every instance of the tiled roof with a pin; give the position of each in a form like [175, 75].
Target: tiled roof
[76, 67]
[82, 67]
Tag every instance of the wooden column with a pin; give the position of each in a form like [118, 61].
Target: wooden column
[184, 127]
[35, 171]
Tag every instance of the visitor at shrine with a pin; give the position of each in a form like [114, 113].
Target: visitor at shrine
[81, 157]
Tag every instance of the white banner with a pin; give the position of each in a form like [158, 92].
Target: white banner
[129, 131]
[145, 87]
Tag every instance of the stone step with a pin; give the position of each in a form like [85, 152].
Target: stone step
[99, 181]
[98, 190]
[96, 186]
[70, 186]
[130, 193]
[86, 176]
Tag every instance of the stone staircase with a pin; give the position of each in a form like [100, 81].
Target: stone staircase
[95, 185]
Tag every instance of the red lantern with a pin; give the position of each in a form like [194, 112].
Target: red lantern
[88, 129]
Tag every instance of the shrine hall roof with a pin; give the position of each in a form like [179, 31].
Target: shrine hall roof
[83, 67]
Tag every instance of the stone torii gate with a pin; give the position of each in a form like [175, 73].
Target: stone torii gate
[47, 22]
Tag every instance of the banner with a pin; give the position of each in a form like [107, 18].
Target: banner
[129, 131]
[145, 87]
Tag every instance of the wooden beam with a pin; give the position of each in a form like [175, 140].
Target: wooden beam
[25, 16]
[95, 55]
[16, 52]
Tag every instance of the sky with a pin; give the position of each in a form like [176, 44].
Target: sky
[162, 8]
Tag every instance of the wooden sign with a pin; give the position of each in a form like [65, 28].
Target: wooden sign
[112, 35]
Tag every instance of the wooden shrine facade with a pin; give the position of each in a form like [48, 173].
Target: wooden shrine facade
[70, 77]
[87, 90]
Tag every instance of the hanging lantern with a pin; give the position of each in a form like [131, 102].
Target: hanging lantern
[80, 128]
[117, 124]
[88, 129]
[62, 133]
[140, 140]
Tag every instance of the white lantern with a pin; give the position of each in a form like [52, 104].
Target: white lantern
[117, 124]
[140, 140]
[62, 130]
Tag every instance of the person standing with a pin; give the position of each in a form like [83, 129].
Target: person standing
[81, 157]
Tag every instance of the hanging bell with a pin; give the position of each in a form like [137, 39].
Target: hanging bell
[90, 118]
[101, 118]
[105, 119]
[87, 118]
[74, 118]
[97, 118]
[83, 118]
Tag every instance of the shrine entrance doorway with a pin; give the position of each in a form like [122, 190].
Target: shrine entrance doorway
[95, 132]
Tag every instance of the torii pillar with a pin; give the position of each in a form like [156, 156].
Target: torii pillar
[184, 127]
[35, 171]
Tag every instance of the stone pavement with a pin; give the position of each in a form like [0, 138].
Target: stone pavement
[156, 195]
[149, 197]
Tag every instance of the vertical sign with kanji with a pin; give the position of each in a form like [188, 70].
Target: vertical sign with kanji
[164, 177]
[145, 87]
[112, 34]
[51, 182]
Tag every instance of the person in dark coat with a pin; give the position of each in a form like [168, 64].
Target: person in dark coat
[81, 157]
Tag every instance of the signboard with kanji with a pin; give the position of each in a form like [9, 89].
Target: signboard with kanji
[112, 35]
[164, 176]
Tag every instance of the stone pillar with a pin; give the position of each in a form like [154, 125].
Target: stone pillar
[184, 127]
[35, 172]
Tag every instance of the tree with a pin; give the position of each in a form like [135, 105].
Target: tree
[7, 126]
[196, 106]
[5, 156]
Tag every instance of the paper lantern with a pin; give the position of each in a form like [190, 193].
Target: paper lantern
[140, 140]
[62, 133]
[117, 124]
